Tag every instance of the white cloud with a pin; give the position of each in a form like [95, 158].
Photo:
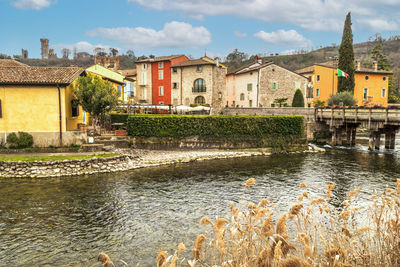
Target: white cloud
[290, 38]
[240, 34]
[316, 15]
[32, 4]
[173, 35]
[82, 46]
[379, 24]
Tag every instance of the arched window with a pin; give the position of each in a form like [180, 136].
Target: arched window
[200, 100]
[199, 86]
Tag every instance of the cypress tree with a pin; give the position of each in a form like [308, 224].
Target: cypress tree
[346, 58]
[298, 99]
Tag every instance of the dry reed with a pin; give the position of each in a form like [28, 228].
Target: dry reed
[311, 234]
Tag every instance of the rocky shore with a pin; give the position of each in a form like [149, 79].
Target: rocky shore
[129, 160]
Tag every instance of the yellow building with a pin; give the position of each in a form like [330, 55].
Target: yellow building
[116, 79]
[39, 100]
[371, 85]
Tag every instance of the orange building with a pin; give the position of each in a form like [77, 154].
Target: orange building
[371, 85]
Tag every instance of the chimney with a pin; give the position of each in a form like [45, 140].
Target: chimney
[117, 64]
[375, 64]
[216, 61]
[358, 65]
[258, 60]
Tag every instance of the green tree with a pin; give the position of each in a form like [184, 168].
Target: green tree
[346, 58]
[298, 99]
[381, 59]
[342, 98]
[96, 96]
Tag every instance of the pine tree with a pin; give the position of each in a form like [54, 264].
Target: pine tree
[346, 58]
[298, 99]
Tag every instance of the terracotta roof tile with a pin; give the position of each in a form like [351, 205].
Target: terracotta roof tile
[39, 75]
[130, 72]
[11, 63]
[194, 62]
[156, 59]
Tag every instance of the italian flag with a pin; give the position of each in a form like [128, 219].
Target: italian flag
[341, 73]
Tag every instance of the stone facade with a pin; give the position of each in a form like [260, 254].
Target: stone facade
[259, 85]
[286, 83]
[183, 80]
[143, 84]
[46, 139]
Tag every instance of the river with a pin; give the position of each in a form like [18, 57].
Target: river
[130, 216]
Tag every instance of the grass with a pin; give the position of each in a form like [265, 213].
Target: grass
[57, 158]
[311, 233]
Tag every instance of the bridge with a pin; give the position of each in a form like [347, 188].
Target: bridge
[340, 124]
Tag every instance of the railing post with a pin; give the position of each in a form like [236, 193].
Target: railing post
[369, 118]
[356, 114]
[387, 115]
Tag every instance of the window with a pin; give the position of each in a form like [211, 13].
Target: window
[144, 78]
[274, 86]
[174, 85]
[1, 111]
[74, 108]
[365, 96]
[366, 77]
[199, 86]
[241, 97]
[297, 85]
[310, 93]
[144, 66]
[119, 91]
[249, 86]
[174, 70]
[233, 103]
[318, 78]
[161, 65]
[200, 100]
[199, 68]
[161, 103]
[317, 92]
[161, 75]
[161, 90]
[383, 92]
[384, 78]
[250, 103]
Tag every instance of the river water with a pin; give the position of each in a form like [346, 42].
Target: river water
[67, 222]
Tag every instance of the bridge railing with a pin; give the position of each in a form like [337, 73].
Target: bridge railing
[358, 114]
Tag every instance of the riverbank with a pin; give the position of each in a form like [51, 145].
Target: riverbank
[128, 160]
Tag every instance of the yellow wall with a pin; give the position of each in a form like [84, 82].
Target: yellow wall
[327, 86]
[327, 83]
[374, 84]
[31, 109]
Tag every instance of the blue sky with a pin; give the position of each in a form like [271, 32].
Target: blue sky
[191, 27]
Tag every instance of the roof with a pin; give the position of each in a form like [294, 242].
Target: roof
[129, 72]
[156, 59]
[106, 73]
[11, 63]
[333, 65]
[197, 62]
[253, 68]
[39, 75]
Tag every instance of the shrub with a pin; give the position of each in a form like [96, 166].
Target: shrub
[276, 131]
[119, 118]
[23, 140]
[298, 99]
[319, 103]
[342, 98]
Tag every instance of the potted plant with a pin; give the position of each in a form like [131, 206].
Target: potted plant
[120, 132]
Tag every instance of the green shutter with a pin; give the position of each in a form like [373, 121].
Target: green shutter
[277, 86]
[249, 86]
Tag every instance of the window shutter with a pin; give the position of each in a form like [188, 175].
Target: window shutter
[277, 86]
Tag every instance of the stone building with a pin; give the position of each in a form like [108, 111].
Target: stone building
[143, 81]
[261, 85]
[199, 82]
[44, 48]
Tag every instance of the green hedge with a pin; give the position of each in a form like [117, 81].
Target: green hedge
[233, 128]
[119, 118]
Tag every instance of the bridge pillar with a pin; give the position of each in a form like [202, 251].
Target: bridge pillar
[339, 136]
[371, 142]
[377, 140]
[353, 136]
[390, 138]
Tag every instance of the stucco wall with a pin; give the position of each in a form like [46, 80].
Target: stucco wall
[241, 82]
[143, 91]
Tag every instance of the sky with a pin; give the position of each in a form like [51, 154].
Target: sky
[191, 27]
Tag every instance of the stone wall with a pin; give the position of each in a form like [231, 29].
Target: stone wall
[287, 81]
[308, 113]
[39, 169]
[46, 139]
[218, 89]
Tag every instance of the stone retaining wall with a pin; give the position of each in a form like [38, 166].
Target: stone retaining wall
[40, 169]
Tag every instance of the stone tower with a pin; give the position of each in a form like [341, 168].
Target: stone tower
[45, 48]
[24, 54]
